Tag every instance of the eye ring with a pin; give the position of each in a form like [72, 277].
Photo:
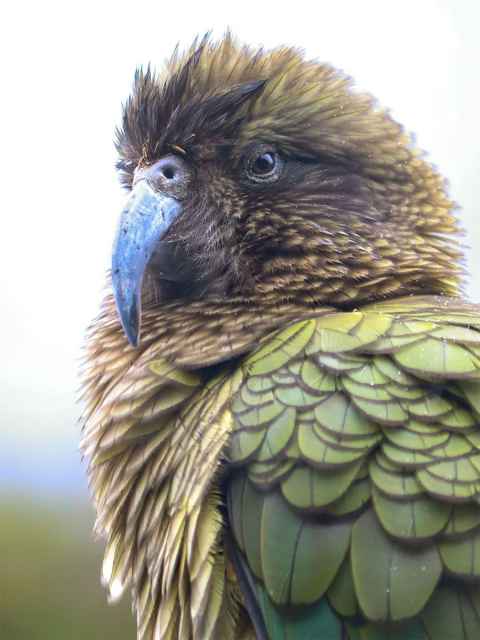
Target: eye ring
[264, 165]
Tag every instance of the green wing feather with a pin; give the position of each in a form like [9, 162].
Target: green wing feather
[354, 496]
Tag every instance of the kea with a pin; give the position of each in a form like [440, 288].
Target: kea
[282, 386]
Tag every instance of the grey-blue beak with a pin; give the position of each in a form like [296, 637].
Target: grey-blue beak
[144, 221]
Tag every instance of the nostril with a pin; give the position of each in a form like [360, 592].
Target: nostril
[169, 172]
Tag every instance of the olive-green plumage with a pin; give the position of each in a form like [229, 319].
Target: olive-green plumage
[289, 448]
[356, 468]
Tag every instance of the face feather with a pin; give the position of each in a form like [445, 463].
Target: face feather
[355, 213]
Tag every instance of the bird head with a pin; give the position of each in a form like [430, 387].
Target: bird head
[261, 175]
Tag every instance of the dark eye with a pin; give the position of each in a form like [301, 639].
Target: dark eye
[264, 165]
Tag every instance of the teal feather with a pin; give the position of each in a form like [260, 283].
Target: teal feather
[312, 622]
[413, 630]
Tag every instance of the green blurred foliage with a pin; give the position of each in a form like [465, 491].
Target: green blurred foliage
[49, 575]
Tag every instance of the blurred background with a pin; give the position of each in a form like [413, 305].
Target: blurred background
[65, 69]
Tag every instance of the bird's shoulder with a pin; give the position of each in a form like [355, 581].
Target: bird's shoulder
[356, 443]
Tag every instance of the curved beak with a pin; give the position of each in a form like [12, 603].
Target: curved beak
[144, 221]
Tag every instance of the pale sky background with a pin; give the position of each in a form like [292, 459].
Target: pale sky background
[65, 69]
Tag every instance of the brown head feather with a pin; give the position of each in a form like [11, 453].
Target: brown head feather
[357, 215]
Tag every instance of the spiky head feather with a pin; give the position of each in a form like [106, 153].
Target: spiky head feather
[357, 215]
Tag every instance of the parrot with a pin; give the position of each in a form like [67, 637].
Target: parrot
[282, 385]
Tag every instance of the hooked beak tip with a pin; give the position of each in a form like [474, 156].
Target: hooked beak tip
[131, 324]
[128, 311]
[133, 336]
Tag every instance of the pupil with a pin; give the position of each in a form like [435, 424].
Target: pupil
[265, 163]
